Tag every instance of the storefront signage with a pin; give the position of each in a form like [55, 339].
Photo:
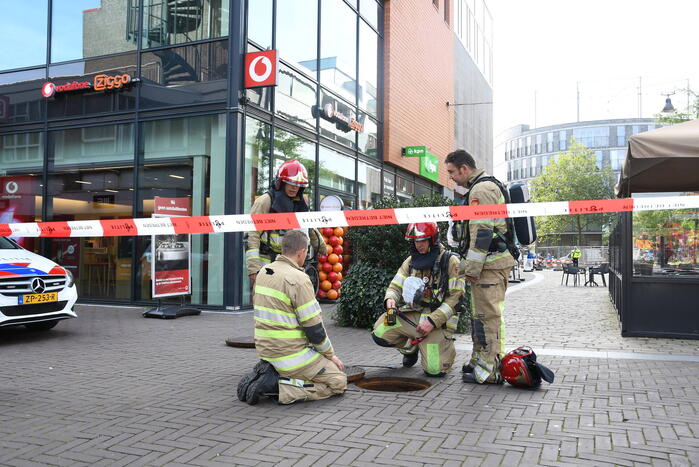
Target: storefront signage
[171, 255]
[414, 151]
[429, 167]
[332, 203]
[342, 122]
[261, 69]
[101, 82]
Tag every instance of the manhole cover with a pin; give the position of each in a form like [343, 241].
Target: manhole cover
[354, 373]
[246, 342]
[393, 384]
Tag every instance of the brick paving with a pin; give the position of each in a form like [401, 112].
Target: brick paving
[112, 388]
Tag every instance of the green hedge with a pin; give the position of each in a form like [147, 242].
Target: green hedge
[378, 252]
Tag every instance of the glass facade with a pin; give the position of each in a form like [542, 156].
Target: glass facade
[145, 105]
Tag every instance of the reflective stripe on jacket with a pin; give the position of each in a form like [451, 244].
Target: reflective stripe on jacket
[285, 312]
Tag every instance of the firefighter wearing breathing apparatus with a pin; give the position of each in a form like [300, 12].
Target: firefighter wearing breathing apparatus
[429, 287]
[488, 255]
[285, 195]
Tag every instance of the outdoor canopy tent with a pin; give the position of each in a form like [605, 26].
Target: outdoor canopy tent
[663, 303]
[662, 160]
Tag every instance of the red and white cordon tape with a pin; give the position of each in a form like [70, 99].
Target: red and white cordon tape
[279, 221]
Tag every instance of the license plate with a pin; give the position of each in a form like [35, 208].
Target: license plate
[38, 298]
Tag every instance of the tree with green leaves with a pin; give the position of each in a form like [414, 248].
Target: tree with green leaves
[573, 176]
[677, 116]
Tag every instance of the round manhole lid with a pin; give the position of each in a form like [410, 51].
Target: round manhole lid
[354, 373]
[393, 384]
[245, 342]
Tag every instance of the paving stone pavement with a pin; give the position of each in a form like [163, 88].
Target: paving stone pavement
[111, 388]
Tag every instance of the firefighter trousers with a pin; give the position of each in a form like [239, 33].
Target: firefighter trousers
[488, 323]
[437, 351]
[318, 380]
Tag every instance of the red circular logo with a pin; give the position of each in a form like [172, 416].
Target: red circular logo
[48, 89]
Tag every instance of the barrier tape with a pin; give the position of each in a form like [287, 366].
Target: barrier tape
[282, 221]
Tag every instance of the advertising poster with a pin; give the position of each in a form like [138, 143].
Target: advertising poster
[171, 262]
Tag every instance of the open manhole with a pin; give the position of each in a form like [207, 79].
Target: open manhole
[244, 342]
[354, 373]
[393, 384]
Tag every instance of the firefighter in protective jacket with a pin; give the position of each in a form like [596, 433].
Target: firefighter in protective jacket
[289, 333]
[486, 266]
[431, 304]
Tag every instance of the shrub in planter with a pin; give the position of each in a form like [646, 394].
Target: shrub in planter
[361, 302]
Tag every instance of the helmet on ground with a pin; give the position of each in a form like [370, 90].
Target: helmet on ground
[520, 368]
[292, 172]
[423, 231]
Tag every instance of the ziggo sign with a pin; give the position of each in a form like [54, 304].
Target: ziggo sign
[101, 82]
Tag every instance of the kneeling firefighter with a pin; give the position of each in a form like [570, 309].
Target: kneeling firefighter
[429, 286]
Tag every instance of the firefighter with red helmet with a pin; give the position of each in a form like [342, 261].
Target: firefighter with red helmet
[421, 303]
[285, 195]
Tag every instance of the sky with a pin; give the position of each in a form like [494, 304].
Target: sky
[544, 49]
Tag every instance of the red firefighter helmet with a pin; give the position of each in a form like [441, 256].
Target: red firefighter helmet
[422, 231]
[292, 172]
[518, 368]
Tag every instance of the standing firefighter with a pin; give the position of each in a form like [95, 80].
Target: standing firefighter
[286, 195]
[486, 266]
[430, 287]
[298, 361]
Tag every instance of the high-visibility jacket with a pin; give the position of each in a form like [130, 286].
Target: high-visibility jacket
[576, 254]
[271, 238]
[444, 312]
[289, 331]
[482, 231]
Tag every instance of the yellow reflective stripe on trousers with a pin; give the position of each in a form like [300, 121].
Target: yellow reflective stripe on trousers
[280, 333]
[382, 328]
[433, 366]
[273, 293]
[293, 361]
[308, 310]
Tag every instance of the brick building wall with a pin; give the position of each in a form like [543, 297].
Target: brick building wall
[418, 82]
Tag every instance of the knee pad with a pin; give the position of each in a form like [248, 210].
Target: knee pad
[380, 341]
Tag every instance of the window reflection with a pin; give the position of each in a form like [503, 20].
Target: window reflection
[336, 116]
[260, 22]
[368, 68]
[87, 28]
[19, 99]
[297, 37]
[369, 184]
[368, 139]
[25, 20]
[336, 170]
[288, 146]
[169, 22]
[295, 98]
[257, 140]
[369, 9]
[338, 43]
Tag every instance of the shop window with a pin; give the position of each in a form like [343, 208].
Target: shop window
[28, 21]
[93, 101]
[288, 146]
[405, 188]
[368, 184]
[338, 54]
[168, 22]
[260, 22]
[369, 138]
[297, 33]
[184, 75]
[22, 160]
[336, 170]
[368, 66]
[20, 100]
[421, 190]
[257, 143]
[336, 116]
[295, 98]
[91, 177]
[88, 28]
[666, 243]
[184, 161]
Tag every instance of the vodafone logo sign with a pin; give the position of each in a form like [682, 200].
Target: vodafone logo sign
[11, 187]
[48, 89]
[261, 69]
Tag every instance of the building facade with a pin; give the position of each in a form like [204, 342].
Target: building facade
[525, 152]
[108, 105]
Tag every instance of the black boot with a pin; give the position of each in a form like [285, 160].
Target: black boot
[260, 368]
[409, 359]
[467, 368]
[266, 383]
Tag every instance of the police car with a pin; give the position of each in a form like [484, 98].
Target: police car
[34, 291]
